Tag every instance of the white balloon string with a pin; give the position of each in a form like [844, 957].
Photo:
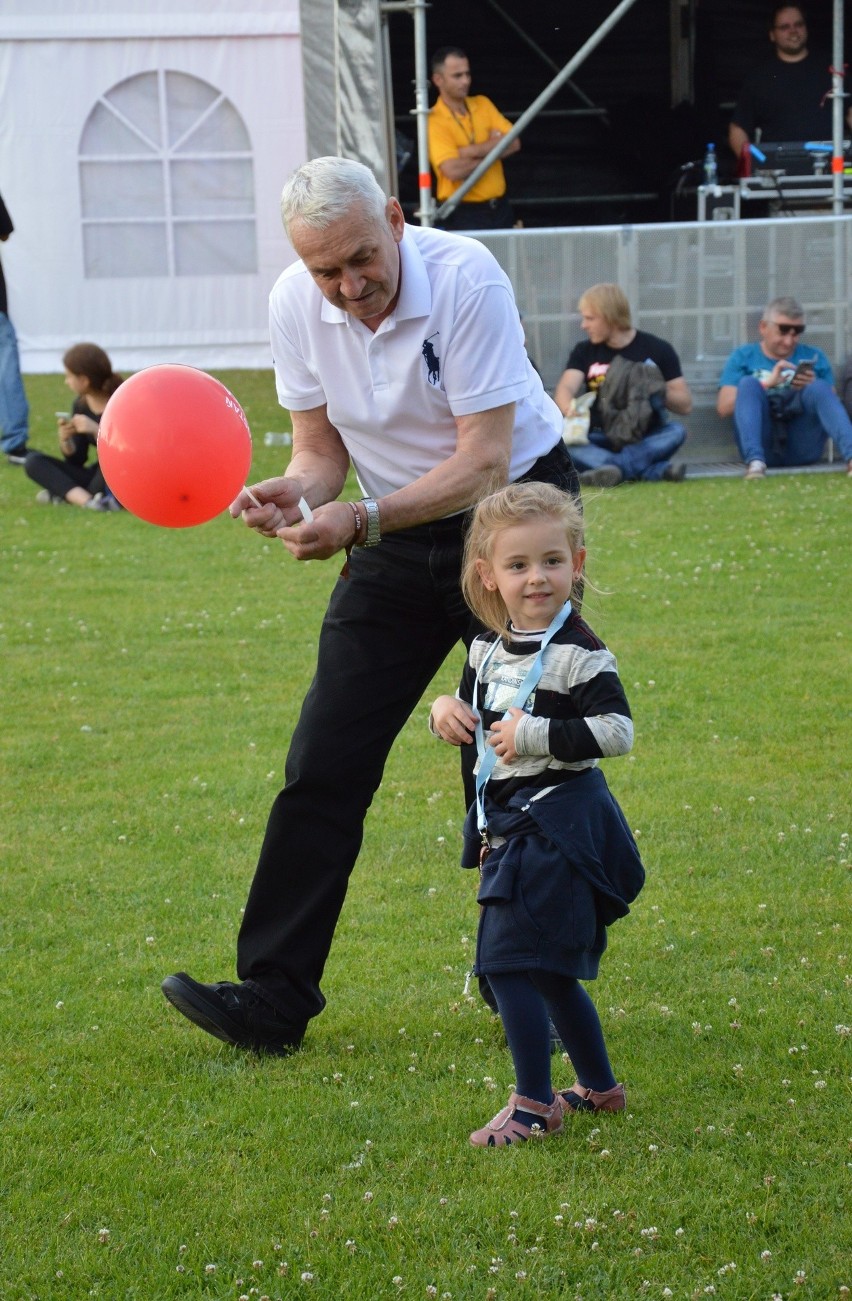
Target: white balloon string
[305, 510]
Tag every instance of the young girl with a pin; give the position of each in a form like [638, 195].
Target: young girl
[541, 696]
[90, 377]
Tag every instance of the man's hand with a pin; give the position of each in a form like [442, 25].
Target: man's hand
[279, 506]
[802, 378]
[502, 736]
[779, 374]
[331, 529]
[453, 720]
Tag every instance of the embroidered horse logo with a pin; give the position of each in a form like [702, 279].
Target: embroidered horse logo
[433, 362]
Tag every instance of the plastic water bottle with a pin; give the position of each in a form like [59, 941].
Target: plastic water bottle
[711, 166]
[271, 439]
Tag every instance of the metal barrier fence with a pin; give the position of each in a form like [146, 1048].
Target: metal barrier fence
[700, 285]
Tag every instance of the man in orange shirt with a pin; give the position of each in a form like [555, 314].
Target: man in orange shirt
[464, 128]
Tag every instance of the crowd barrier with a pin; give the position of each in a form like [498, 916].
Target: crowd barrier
[700, 285]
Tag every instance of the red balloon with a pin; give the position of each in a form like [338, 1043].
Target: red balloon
[174, 446]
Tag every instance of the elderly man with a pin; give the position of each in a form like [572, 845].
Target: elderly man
[399, 352]
[780, 393]
[784, 96]
[463, 128]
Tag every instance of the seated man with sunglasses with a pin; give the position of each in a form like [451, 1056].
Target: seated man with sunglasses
[781, 395]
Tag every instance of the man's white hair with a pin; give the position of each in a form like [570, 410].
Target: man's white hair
[324, 189]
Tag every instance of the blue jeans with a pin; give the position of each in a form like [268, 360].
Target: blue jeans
[789, 426]
[645, 460]
[14, 409]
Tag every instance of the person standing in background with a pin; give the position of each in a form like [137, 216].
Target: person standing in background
[463, 129]
[14, 408]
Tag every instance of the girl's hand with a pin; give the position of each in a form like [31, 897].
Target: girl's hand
[65, 431]
[453, 720]
[502, 736]
[84, 425]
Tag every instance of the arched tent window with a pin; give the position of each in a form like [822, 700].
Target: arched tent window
[166, 181]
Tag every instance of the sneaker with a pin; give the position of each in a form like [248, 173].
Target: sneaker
[46, 498]
[755, 470]
[675, 473]
[18, 455]
[103, 501]
[235, 1013]
[605, 476]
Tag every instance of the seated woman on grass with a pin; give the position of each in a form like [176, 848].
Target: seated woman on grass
[90, 377]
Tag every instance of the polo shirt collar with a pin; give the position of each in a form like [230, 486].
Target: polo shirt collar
[415, 299]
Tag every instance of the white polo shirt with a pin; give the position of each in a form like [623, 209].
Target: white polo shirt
[453, 346]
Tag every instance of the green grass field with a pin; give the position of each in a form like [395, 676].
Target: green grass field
[151, 679]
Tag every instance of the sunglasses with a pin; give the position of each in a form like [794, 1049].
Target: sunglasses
[788, 329]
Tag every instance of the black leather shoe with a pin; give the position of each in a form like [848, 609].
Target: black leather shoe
[235, 1013]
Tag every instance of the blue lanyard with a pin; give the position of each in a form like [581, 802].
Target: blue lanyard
[488, 755]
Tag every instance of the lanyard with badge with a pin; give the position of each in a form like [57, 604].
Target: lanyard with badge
[487, 754]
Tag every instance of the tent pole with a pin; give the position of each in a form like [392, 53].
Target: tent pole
[417, 9]
[838, 109]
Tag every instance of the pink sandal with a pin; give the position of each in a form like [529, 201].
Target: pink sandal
[579, 1099]
[504, 1129]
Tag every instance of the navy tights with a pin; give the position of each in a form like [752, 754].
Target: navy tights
[528, 1000]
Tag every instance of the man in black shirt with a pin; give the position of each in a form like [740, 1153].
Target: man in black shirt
[606, 459]
[785, 95]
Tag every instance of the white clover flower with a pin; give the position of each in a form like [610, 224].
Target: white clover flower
[766, 1255]
[209, 1269]
[103, 1235]
[307, 1276]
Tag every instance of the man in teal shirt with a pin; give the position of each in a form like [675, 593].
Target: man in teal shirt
[781, 396]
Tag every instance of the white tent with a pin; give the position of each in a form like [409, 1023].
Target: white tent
[143, 147]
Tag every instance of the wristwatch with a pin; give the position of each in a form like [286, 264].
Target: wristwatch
[374, 529]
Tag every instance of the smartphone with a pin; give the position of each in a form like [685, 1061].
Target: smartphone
[804, 366]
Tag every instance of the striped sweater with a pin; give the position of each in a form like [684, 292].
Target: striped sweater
[576, 715]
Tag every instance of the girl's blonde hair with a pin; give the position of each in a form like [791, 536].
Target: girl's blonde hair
[512, 505]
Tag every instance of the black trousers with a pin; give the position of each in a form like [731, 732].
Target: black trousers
[59, 475]
[493, 214]
[388, 628]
